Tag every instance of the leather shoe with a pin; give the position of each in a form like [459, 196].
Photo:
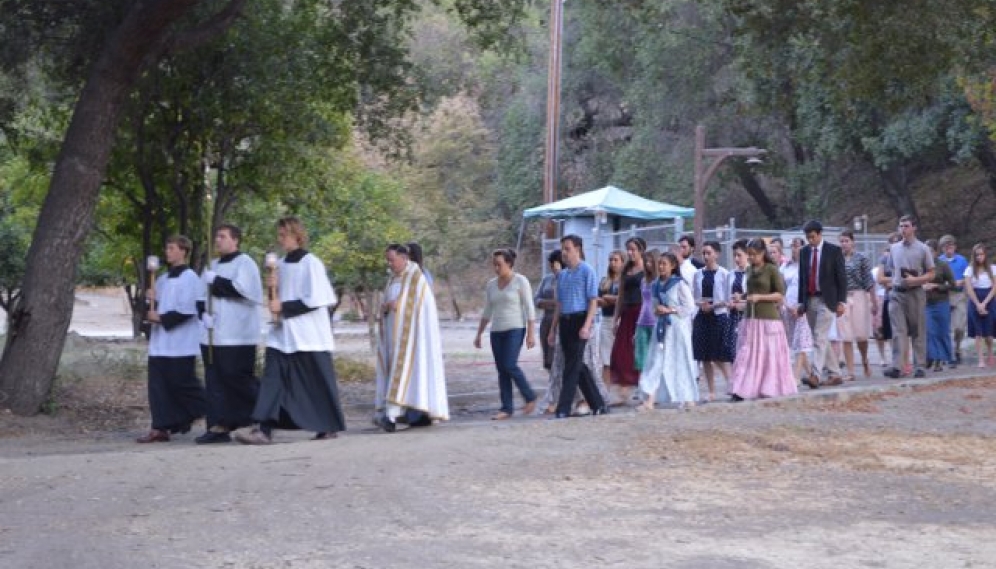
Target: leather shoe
[833, 380]
[424, 421]
[154, 436]
[812, 381]
[384, 423]
[603, 410]
[892, 372]
[212, 437]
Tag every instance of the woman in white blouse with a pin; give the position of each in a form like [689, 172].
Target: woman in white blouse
[509, 308]
[981, 306]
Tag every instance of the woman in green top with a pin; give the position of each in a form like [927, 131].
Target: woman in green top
[763, 367]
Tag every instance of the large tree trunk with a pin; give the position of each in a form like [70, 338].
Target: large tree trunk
[40, 319]
[897, 187]
[987, 158]
[753, 187]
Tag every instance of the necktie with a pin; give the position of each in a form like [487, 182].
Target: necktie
[813, 263]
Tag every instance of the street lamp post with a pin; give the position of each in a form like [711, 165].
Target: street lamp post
[861, 224]
[704, 172]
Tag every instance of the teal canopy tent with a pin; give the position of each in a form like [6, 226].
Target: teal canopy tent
[609, 200]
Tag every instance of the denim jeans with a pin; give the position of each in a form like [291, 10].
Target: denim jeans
[506, 347]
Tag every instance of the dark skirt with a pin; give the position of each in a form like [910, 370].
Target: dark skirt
[545, 324]
[299, 391]
[885, 331]
[231, 383]
[623, 365]
[981, 325]
[176, 396]
[714, 338]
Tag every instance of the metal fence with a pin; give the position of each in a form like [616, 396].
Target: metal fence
[599, 244]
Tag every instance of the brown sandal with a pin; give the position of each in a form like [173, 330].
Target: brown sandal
[501, 416]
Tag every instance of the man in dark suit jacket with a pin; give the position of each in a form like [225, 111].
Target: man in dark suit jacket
[821, 299]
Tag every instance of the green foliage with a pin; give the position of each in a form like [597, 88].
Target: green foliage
[20, 197]
[355, 213]
[451, 199]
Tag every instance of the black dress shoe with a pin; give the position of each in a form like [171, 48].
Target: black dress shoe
[212, 437]
[424, 421]
[560, 416]
[736, 398]
[603, 410]
[384, 423]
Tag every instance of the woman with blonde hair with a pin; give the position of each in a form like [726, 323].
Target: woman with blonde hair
[981, 307]
[608, 295]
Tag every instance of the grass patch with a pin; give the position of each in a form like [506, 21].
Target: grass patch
[349, 370]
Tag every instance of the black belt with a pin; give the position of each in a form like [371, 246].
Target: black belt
[905, 288]
[573, 315]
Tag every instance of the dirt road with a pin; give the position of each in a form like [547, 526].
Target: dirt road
[876, 474]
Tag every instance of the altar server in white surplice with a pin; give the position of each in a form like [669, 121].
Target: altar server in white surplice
[411, 381]
[176, 396]
[298, 389]
[230, 334]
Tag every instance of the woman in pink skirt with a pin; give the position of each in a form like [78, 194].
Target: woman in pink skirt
[762, 367]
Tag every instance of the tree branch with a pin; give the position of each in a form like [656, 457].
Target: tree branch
[207, 31]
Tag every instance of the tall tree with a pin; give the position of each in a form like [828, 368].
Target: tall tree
[39, 319]
[120, 40]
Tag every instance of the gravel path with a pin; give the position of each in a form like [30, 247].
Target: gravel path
[878, 473]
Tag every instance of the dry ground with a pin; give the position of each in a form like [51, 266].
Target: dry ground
[876, 474]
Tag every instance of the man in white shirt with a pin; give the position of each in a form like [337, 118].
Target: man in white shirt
[176, 396]
[230, 336]
[688, 265]
[298, 389]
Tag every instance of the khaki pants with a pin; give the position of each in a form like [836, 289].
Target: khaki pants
[959, 314]
[907, 315]
[820, 319]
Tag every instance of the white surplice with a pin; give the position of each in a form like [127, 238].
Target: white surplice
[304, 280]
[236, 320]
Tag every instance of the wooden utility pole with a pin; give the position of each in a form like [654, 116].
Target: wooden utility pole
[553, 102]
